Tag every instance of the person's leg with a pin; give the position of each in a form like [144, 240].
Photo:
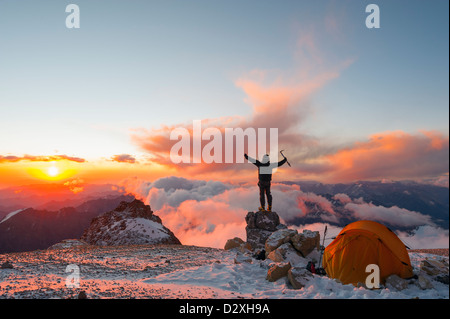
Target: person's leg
[262, 199]
[269, 197]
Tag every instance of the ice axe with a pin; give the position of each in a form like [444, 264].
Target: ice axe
[281, 152]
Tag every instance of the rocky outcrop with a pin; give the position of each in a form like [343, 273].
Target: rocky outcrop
[131, 223]
[288, 250]
[260, 225]
[432, 270]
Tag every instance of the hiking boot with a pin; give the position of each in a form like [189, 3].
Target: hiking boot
[261, 209]
[269, 209]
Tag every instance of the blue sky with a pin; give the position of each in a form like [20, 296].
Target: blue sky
[151, 63]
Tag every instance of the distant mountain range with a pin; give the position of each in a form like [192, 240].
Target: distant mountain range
[31, 229]
[51, 196]
[426, 199]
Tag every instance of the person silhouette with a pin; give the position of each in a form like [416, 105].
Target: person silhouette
[265, 170]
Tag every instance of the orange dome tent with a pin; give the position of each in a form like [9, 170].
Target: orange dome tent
[362, 243]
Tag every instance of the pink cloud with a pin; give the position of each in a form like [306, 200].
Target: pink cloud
[392, 215]
[393, 155]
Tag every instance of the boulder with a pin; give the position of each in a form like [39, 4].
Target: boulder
[233, 243]
[278, 271]
[396, 283]
[259, 227]
[277, 238]
[245, 247]
[286, 253]
[423, 282]
[257, 237]
[263, 220]
[433, 267]
[306, 242]
[276, 256]
[299, 277]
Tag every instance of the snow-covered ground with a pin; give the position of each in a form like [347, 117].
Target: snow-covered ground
[171, 271]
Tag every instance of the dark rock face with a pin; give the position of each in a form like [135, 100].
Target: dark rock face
[260, 225]
[131, 223]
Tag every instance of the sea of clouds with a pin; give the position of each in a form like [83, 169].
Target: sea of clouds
[207, 213]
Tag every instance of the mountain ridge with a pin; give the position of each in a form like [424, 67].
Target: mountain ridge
[33, 229]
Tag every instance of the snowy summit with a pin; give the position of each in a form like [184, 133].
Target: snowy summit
[131, 223]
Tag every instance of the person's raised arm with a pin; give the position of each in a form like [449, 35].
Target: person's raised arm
[284, 160]
[252, 160]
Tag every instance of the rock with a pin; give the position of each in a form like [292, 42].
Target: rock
[433, 267]
[278, 271]
[131, 223]
[278, 238]
[299, 277]
[286, 253]
[423, 282]
[233, 243]
[306, 242]
[245, 247]
[275, 255]
[395, 282]
[259, 227]
[263, 220]
[257, 237]
[7, 265]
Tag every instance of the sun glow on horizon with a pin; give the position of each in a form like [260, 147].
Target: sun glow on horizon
[57, 171]
[53, 171]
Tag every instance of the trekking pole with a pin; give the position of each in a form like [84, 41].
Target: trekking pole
[322, 248]
[281, 152]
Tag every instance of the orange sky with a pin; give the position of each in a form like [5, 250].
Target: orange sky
[389, 155]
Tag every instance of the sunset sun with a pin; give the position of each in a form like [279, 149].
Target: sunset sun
[53, 171]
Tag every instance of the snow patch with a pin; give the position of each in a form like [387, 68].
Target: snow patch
[12, 214]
